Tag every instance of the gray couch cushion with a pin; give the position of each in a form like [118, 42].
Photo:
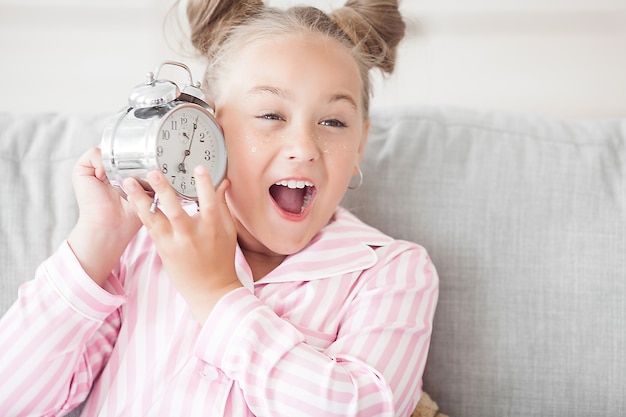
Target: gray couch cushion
[37, 154]
[525, 219]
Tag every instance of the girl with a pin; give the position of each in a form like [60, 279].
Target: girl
[270, 300]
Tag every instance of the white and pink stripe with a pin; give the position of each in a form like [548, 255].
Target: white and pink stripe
[340, 329]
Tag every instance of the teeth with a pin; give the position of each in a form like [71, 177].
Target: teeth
[305, 202]
[294, 183]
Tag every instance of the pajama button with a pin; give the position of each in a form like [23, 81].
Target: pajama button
[209, 373]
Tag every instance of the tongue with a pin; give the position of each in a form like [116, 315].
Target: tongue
[288, 199]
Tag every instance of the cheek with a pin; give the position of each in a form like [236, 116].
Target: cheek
[337, 147]
[242, 146]
[247, 159]
[344, 154]
[332, 148]
[242, 139]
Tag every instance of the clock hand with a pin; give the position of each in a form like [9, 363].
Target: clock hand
[181, 166]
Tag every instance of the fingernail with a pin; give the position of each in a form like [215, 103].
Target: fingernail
[130, 184]
[200, 170]
[153, 177]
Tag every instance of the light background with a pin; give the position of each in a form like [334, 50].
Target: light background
[562, 58]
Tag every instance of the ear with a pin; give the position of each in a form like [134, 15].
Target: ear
[365, 134]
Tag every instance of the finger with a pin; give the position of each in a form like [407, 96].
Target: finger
[89, 172]
[88, 163]
[139, 199]
[154, 221]
[169, 203]
[221, 193]
[98, 164]
[204, 188]
[209, 198]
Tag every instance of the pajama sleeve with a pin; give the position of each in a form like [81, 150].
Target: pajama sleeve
[56, 338]
[373, 368]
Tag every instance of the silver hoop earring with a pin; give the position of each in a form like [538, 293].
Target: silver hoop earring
[359, 181]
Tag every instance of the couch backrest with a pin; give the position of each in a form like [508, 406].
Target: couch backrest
[525, 219]
[37, 154]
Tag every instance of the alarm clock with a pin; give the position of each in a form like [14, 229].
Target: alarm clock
[165, 127]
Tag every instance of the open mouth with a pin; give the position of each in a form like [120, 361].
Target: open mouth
[292, 196]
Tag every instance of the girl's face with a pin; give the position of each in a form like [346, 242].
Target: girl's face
[293, 118]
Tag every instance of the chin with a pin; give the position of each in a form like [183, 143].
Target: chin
[287, 247]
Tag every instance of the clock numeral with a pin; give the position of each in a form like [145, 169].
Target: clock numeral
[193, 181]
[165, 134]
[182, 186]
[202, 137]
[164, 168]
[207, 155]
[159, 151]
[174, 125]
[183, 120]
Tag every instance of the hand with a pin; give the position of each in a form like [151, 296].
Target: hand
[106, 222]
[197, 251]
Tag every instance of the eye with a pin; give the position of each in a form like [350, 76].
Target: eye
[270, 116]
[333, 123]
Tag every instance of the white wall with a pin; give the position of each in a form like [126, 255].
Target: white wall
[559, 57]
[565, 58]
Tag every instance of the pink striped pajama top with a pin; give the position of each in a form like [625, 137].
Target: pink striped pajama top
[341, 328]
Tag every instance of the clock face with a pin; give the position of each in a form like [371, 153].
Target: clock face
[189, 137]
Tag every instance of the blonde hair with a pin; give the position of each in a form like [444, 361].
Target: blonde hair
[370, 30]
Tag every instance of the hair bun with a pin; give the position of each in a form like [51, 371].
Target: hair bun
[375, 26]
[210, 21]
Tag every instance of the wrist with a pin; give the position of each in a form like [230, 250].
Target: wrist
[97, 251]
[202, 305]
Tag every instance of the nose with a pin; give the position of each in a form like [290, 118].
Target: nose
[302, 145]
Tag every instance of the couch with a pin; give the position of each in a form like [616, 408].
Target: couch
[523, 215]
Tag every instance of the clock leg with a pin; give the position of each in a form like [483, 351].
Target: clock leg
[153, 206]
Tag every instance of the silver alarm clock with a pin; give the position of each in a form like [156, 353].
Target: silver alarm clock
[166, 128]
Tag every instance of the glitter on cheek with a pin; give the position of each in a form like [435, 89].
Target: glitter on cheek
[324, 145]
[330, 147]
[254, 141]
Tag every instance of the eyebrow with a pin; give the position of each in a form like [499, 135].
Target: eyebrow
[284, 94]
[344, 97]
[267, 89]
